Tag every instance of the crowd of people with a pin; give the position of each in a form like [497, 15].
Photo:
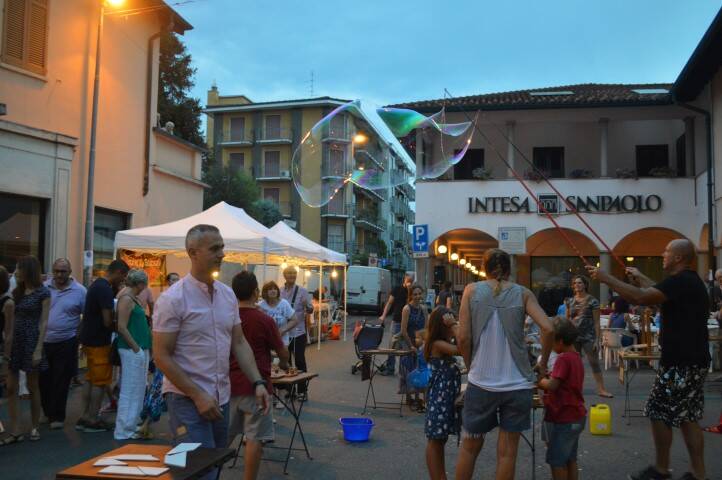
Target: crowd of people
[203, 352]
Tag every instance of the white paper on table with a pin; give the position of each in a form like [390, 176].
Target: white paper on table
[176, 460]
[183, 447]
[136, 457]
[108, 461]
[134, 471]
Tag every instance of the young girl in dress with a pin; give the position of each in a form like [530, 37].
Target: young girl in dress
[444, 386]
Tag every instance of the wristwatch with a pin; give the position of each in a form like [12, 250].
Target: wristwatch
[259, 382]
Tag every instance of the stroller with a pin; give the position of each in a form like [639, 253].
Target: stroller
[366, 337]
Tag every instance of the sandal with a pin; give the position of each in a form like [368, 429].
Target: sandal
[420, 407]
[715, 429]
[9, 440]
[34, 435]
[605, 395]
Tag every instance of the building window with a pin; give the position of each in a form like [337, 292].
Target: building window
[650, 157]
[335, 205]
[273, 126]
[106, 224]
[25, 35]
[335, 237]
[22, 229]
[272, 163]
[473, 159]
[238, 127]
[336, 161]
[550, 160]
[272, 194]
[236, 161]
[337, 128]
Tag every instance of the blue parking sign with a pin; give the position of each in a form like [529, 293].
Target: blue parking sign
[420, 241]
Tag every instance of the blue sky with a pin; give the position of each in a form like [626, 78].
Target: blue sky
[388, 51]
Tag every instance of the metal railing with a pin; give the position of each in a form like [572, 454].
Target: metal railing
[244, 137]
[337, 208]
[272, 172]
[274, 135]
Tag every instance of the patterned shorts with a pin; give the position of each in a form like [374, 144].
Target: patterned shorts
[677, 395]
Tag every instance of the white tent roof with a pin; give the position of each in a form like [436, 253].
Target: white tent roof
[245, 239]
[321, 255]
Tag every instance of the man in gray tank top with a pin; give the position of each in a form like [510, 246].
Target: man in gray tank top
[501, 379]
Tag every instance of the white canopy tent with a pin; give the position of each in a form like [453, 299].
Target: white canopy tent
[246, 240]
[322, 257]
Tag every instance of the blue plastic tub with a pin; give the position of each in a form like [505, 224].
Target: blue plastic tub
[356, 429]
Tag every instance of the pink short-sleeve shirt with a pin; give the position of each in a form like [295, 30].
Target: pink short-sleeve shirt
[204, 326]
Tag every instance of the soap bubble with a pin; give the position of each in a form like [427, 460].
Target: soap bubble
[346, 146]
[352, 146]
[439, 144]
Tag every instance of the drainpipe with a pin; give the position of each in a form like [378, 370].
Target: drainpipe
[710, 191]
[148, 99]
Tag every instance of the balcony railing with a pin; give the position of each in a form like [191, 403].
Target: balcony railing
[338, 133]
[242, 138]
[336, 208]
[333, 169]
[370, 219]
[274, 135]
[272, 173]
[380, 194]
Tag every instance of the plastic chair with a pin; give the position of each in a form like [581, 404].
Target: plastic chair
[612, 343]
[368, 338]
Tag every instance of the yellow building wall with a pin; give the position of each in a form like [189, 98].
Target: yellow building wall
[310, 216]
[61, 101]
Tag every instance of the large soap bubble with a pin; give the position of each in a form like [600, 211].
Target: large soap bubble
[350, 145]
[435, 144]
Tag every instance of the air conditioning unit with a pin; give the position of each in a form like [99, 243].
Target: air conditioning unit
[285, 173]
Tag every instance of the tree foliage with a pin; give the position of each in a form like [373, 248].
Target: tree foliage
[232, 186]
[176, 81]
[266, 212]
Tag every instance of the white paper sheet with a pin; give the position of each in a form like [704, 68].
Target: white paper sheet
[177, 460]
[136, 457]
[134, 471]
[183, 447]
[106, 462]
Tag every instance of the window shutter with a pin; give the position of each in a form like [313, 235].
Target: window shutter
[37, 39]
[14, 32]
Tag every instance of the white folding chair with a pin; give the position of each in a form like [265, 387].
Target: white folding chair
[611, 342]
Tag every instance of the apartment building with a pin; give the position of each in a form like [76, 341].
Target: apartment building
[260, 138]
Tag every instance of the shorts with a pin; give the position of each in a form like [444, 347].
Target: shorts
[562, 441]
[485, 410]
[100, 371]
[246, 419]
[677, 395]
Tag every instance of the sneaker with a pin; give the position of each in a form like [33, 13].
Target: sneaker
[98, 426]
[302, 397]
[81, 424]
[57, 425]
[649, 473]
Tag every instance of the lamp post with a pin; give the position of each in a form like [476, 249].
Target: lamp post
[90, 202]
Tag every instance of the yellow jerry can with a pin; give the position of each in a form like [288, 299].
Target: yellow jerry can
[600, 419]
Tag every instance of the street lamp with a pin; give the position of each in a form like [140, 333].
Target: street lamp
[442, 249]
[360, 138]
[90, 203]
[454, 256]
[462, 262]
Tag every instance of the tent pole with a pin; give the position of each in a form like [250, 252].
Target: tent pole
[265, 250]
[345, 308]
[320, 303]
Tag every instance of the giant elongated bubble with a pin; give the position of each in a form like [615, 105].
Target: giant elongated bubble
[351, 148]
[435, 144]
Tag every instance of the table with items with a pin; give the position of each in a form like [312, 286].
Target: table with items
[164, 462]
[634, 353]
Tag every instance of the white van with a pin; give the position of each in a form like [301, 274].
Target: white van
[368, 288]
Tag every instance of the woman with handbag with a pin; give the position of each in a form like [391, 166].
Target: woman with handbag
[134, 342]
[413, 319]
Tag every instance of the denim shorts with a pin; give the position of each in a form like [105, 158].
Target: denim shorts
[485, 410]
[562, 441]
